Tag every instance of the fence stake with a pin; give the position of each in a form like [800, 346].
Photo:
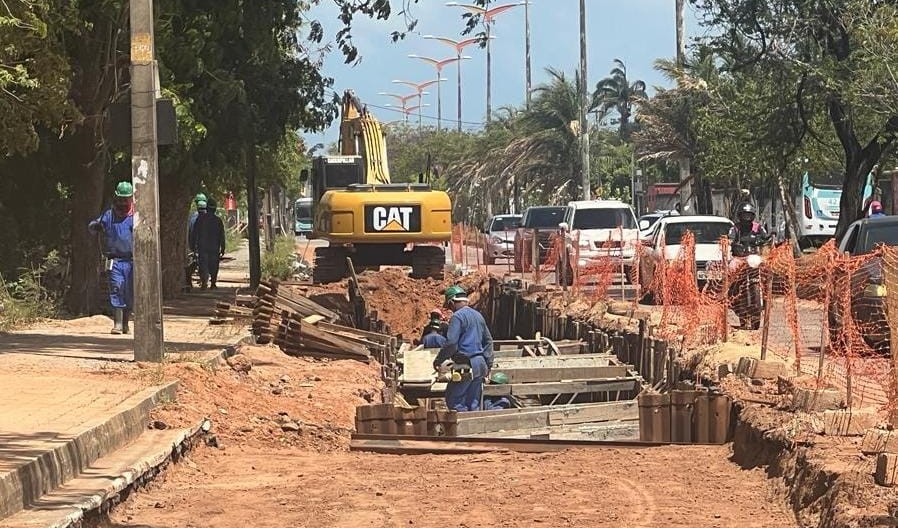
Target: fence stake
[768, 297]
[824, 337]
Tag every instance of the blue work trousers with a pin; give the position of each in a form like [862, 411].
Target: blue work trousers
[465, 395]
[121, 284]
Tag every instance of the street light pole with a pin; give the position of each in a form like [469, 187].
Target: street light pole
[438, 65]
[458, 46]
[527, 51]
[488, 14]
[148, 332]
[584, 102]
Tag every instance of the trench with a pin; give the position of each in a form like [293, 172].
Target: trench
[818, 493]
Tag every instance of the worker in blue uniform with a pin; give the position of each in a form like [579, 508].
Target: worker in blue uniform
[116, 225]
[433, 335]
[469, 345]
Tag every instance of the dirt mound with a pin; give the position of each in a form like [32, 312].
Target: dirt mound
[402, 302]
[280, 401]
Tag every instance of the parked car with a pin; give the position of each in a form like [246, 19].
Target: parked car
[541, 222]
[648, 222]
[867, 287]
[666, 244]
[499, 237]
[603, 229]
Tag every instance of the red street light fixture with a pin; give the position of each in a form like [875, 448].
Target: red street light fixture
[403, 99]
[458, 46]
[406, 109]
[438, 64]
[419, 88]
[488, 15]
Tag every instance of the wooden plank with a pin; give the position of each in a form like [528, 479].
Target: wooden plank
[371, 336]
[579, 360]
[565, 373]
[314, 318]
[602, 412]
[480, 422]
[563, 387]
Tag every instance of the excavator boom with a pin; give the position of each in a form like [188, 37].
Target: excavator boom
[362, 135]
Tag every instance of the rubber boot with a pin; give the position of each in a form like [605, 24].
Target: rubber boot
[125, 316]
[118, 316]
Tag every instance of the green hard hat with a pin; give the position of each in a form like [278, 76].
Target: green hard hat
[200, 197]
[124, 190]
[201, 204]
[453, 292]
[499, 378]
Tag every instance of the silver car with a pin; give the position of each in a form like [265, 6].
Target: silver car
[499, 237]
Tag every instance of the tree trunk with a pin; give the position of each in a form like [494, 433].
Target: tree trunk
[859, 161]
[174, 210]
[789, 213]
[87, 199]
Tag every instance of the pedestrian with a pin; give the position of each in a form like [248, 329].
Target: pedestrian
[192, 261]
[469, 346]
[876, 209]
[208, 242]
[116, 224]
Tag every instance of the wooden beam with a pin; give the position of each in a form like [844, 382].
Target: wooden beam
[536, 417]
[564, 373]
[562, 387]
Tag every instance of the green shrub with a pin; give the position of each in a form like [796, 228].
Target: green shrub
[26, 299]
[232, 240]
[278, 263]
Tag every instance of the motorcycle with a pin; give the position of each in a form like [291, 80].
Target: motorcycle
[747, 291]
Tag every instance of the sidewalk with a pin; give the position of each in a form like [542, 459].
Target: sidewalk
[62, 407]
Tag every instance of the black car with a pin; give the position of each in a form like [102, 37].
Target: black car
[540, 222]
[866, 285]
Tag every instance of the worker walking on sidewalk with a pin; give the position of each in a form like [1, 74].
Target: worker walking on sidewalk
[207, 240]
[469, 346]
[117, 226]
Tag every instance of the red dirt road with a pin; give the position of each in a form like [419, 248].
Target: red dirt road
[660, 487]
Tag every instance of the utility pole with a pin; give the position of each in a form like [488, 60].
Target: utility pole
[527, 51]
[684, 162]
[148, 334]
[584, 104]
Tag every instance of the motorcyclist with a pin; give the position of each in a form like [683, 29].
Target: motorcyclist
[747, 232]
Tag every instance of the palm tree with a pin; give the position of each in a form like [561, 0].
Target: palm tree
[539, 145]
[617, 93]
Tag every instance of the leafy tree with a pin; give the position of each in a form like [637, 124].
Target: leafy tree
[841, 52]
[33, 76]
[617, 93]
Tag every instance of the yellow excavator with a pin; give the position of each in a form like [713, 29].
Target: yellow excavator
[363, 215]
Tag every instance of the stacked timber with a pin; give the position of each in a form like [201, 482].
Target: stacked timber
[302, 327]
[240, 311]
[389, 419]
[274, 302]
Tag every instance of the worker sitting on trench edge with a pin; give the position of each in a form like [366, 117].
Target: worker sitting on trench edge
[469, 346]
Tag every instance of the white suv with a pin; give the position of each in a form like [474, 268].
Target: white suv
[605, 231]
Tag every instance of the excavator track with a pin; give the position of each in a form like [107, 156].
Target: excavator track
[330, 265]
[428, 262]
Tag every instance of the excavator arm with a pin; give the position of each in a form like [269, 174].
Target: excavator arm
[362, 135]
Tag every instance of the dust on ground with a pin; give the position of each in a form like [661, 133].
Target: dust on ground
[656, 487]
[280, 401]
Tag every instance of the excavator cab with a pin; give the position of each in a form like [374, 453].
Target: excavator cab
[367, 218]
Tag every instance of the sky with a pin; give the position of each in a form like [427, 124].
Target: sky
[635, 31]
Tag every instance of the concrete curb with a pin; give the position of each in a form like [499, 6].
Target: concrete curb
[101, 494]
[36, 475]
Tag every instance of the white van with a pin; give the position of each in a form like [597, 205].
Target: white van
[605, 231]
